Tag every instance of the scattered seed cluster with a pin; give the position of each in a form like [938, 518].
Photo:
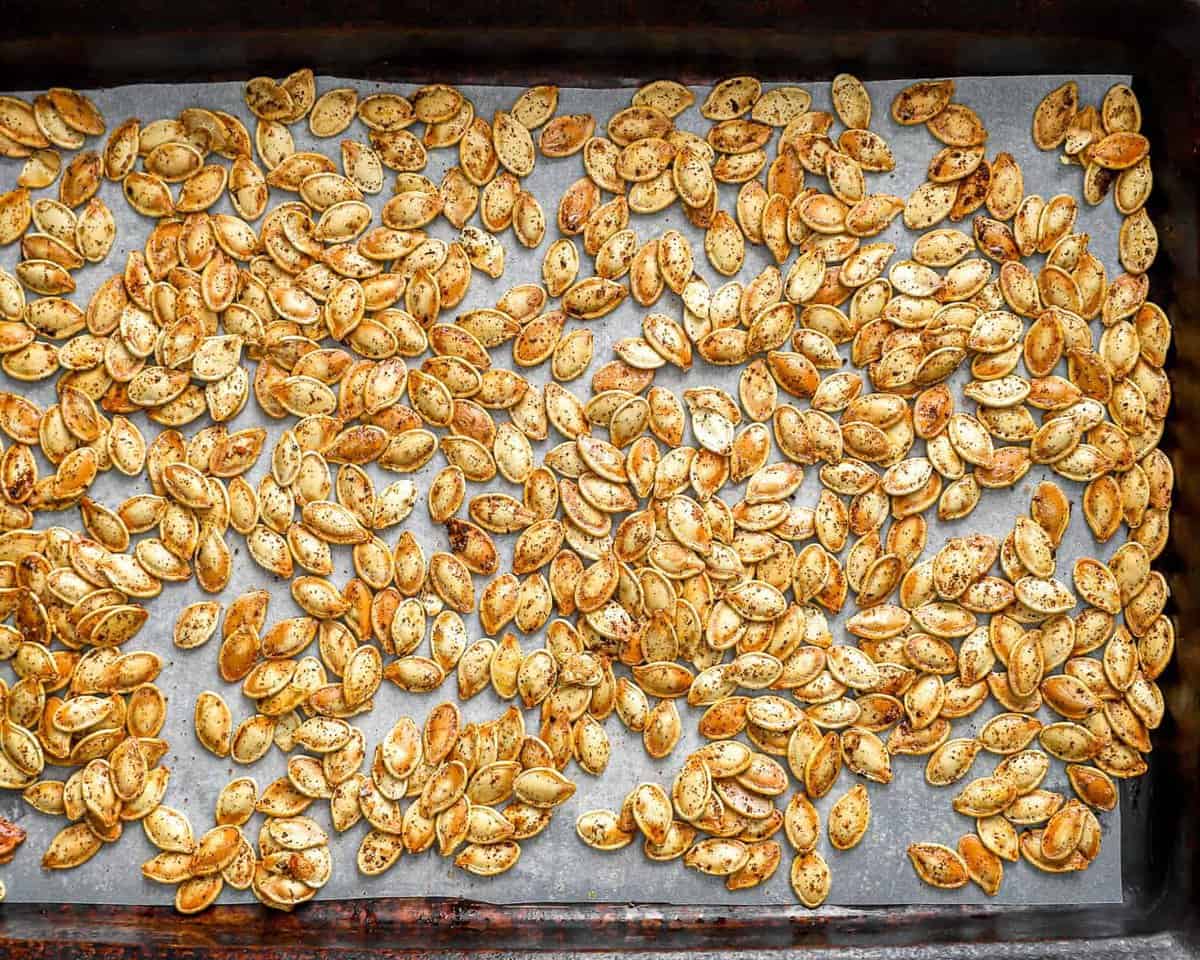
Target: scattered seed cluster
[628, 558]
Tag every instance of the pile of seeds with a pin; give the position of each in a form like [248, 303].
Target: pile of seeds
[633, 581]
[456, 774]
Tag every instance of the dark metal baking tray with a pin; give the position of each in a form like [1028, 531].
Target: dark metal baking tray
[86, 44]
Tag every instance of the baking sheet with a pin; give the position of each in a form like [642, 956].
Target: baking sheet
[556, 866]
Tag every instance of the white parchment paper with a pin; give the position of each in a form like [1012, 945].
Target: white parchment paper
[556, 866]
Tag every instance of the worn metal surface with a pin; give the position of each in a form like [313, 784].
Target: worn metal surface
[82, 43]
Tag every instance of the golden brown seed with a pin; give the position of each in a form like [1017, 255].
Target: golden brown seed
[938, 865]
[810, 878]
